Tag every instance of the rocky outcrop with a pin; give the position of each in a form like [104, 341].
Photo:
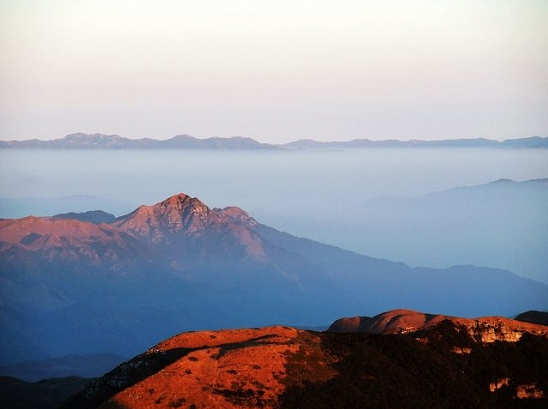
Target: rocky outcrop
[485, 329]
[181, 216]
[171, 216]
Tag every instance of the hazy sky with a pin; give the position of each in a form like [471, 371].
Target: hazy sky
[274, 70]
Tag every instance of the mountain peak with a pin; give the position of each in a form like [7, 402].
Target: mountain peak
[172, 215]
[179, 201]
[183, 219]
[183, 205]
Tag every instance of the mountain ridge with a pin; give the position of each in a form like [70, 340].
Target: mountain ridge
[283, 367]
[509, 215]
[401, 321]
[86, 288]
[101, 141]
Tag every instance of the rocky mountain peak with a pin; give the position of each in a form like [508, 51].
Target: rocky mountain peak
[180, 217]
[178, 213]
[182, 203]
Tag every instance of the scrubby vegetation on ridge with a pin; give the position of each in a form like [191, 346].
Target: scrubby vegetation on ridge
[389, 371]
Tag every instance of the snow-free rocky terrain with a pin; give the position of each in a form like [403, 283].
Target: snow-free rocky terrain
[413, 360]
[76, 287]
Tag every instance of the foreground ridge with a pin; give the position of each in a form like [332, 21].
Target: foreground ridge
[282, 367]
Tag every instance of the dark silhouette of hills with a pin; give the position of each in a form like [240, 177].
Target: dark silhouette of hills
[45, 394]
[86, 366]
[100, 141]
[73, 287]
[439, 365]
[534, 317]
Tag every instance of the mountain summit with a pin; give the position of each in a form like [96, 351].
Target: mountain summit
[181, 218]
[71, 286]
[171, 216]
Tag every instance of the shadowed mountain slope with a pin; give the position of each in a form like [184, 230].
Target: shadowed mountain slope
[73, 287]
[46, 394]
[534, 317]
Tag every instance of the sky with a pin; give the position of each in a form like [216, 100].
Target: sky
[275, 71]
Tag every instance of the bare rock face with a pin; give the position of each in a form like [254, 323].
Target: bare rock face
[172, 215]
[485, 329]
[181, 216]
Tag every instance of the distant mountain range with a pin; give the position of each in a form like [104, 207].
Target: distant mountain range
[75, 287]
[500, 224]
[84, 365]
[100, 141]
[530, 142]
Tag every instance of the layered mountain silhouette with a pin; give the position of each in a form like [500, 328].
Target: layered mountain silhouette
[502, 224]
[99, 141]
[46, 394]
[403, 359]
[75, 287]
